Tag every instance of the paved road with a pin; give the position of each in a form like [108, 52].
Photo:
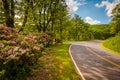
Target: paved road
[94, 62]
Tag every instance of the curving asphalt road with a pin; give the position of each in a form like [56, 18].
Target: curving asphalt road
[93, 62]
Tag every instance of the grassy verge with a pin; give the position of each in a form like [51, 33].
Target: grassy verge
[113, 44]
[55, 64]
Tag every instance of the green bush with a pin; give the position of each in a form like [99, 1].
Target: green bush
[113, 43]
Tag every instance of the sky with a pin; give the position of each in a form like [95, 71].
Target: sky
[92, 11]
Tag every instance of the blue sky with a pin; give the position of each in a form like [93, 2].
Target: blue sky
[93, 11]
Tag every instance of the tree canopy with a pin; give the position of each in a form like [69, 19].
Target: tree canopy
[115, 23]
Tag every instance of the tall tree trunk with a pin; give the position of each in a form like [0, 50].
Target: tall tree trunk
[25, 16]
[12, 13]
[44, 26]
[8, 6]
[40, 21]
[61, 30]
[52, 27]
[24, 21]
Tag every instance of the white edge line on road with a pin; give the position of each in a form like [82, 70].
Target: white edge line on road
[79, 72]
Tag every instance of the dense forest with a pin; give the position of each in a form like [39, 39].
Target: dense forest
[27, 27]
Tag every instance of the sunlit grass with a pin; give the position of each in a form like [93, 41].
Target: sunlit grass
[56, 64]
[113, 43]
[64, 67]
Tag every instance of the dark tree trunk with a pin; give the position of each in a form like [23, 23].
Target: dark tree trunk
[44, 26]
[9, 12]
[25, 16]
[61, 30]
[24, 21]
[12, 13]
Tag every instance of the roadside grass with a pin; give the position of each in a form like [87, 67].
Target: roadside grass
[55, 64]
[113, 43]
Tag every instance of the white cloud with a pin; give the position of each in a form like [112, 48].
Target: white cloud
[91, 21]
[73, 5]
[109, 6]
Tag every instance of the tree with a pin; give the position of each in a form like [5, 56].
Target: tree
[25, 12]
[8, 7]
[115, 23]
[78, 29]
[1, 13]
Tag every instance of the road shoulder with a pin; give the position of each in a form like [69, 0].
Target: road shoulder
[109, 50]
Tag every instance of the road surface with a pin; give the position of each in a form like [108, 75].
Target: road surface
[93, 62]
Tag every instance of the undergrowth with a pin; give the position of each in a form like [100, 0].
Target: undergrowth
[113, 43]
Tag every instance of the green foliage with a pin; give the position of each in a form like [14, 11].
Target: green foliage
[100, 31]
[115, 23]
[78, 30]
[113, 43]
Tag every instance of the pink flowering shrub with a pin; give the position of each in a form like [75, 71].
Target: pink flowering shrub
[5, 33]
[19, 52]
[46, 39]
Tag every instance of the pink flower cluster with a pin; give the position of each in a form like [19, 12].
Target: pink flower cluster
[46, 37]
[6, 32]
[14, 44]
